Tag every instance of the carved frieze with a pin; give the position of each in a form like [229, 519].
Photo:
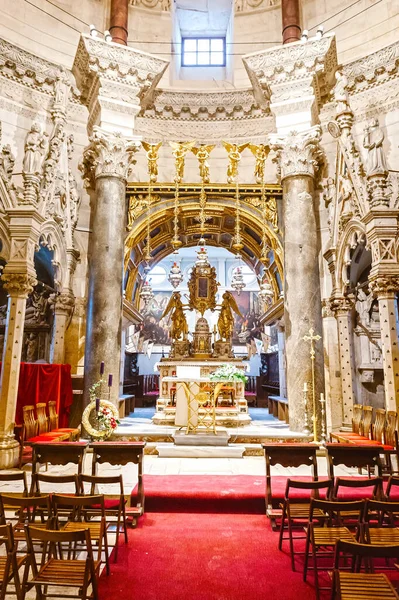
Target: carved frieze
[298, 153]
[374, 69]
[241, 6]
[107, 155]
[163, 5]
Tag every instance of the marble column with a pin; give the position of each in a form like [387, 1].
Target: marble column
[106, 162]
[386, 289]
[302, 297]
[342, 308]
[62, 310]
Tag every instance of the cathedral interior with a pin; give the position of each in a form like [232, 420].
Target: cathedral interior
[199, 207]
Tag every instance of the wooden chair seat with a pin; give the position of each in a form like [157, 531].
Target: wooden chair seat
[301, 511]
[365, 586]
[93, 527]
[73, 572]
[3, 563]
[328, 536]
[383, 536]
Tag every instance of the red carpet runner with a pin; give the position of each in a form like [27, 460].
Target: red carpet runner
[198, 555]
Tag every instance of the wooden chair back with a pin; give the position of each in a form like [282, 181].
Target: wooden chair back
[314, 487]
[58, 453]
[30, 423]
[366, 422]
[42, 419]
[392, 481]
[379, 425]
[52, 414]
[9, 567]
[357, 417]
[363, 551]
[28, 508]
[56, 481]
[390, 428]
[384, 508]
[375, 483]
[287, 455]
[96, 480]
[350, 455]
[16, 476]
[334, 509]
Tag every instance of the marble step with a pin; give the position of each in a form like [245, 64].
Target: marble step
[171, 451]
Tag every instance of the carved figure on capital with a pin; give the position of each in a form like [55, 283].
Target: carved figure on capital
[18, 284]
[329, 195]
[36, 146]
[373, 142]
[340, 92]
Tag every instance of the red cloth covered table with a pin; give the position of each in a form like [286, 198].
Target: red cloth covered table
[39, 382]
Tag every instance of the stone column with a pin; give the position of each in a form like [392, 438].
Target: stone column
[113, 97]
[106, 161]
[291, 21]
[19, 277]
[342, 308]
[302, 298]
[386, 289]
[118, 26]
[62, 307]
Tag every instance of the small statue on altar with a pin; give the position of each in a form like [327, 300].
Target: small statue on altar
[152, 158]
[202, 153]
[234, 152]
[226, 318]
[179, 327]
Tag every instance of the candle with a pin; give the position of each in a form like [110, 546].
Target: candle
[321, 397]
[305, 387]
[110, 380]
[97, 404]
[102, 368]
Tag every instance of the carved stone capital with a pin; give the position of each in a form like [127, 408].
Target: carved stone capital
[377, 188]
[64, 303]
[384, 285]
[108, 155]
[18, 284]
[298, 153]
[114, 82]
[341, 306]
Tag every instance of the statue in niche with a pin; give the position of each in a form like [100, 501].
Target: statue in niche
[226, 318]
[179, 327]
[74, 200]
[31, 347]
[38, 305]
[340, 92]
[363, 307]
[329, 193]
[7, 161]
[373, 142]
[375, 353]
[61, 88]
[346, 195]
[36, 144]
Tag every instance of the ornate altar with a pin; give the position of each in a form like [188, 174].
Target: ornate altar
[202, 339]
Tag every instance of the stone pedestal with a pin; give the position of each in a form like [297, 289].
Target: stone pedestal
[202, 438]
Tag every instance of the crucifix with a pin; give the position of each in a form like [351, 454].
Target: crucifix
[312, 339]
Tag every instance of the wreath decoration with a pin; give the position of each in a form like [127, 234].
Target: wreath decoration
[103, 432]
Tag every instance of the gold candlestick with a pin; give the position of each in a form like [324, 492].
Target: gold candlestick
[305, 402]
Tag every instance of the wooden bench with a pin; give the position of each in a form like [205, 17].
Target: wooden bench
[278, 407]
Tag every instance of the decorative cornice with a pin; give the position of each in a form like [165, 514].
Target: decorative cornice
[298, 153]
[216, 104]
[108, 155]
[30, 70]
[374, 69]
[294, 62]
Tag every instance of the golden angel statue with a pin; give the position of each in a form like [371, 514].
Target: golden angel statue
[152, 158]
[261, 153]
[179, 152]
[234, 152]
[179, 328]
[202, 153]
[226, 318]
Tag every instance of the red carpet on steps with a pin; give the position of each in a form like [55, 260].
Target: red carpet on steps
[172, 556]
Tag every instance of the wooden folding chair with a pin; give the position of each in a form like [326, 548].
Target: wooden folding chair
[32, 510]
[321, 540]
[57, 571]
[56, 481]
[80, 508]
[286, 455]
[114, 507]
[14, 476]
[366, 585]
[297, 513]
[384, 532]
[10, 563]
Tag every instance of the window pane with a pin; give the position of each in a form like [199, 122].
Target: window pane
[217, 58]
[190, 45]
[203, 45]
[203, 58]
[189, 58]
[217, 45]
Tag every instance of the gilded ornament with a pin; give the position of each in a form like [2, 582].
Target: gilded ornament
[179, 152]
[261, 153]
[152, 159]
[226, 319]
[202, 153]
[179, 328]
[234, 151]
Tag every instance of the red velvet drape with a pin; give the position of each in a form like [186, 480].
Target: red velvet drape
[41, 383]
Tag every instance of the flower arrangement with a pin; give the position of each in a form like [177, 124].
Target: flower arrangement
[105, 419]
[228, 372]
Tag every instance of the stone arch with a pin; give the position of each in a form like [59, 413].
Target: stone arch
[52, 238]
[352, 240]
